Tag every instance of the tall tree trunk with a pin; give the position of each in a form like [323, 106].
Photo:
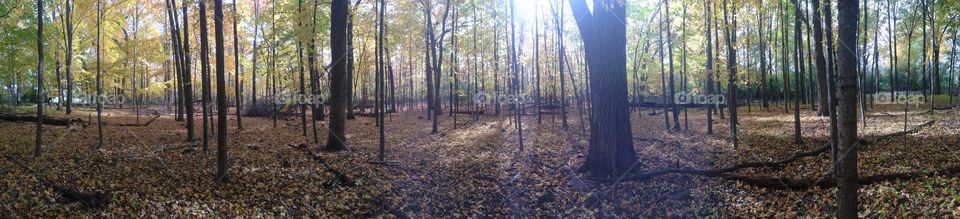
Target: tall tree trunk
[731, 36]
[683, 76]
[314, 75]
[832, 77]
[663, 71]
[560, 53]
[187, 75]
[136, 31]
[350, 62]
[892, 39]
[204, 73]
[221, 93]
[518, 107]
[708, 16]
[69, 56]
[611, 150]
[380, 76]
[935, 74]
[819, 57]
[763, 64]
[673, 90]
[40, 92]
[847, 184]
[98, 82]
[337, 139]
[238, 94]
[273, 61]
[256, 32]
[300, 64]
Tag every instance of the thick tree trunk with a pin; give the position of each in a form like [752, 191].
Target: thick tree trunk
[187, 75]
[819, 58]
[221, 93]
[847, 184]
[611, 150]
[337, 139]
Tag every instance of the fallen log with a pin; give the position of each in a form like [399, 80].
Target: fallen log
[97, 200]
[722, 171]
[47, 120]
[829, 182]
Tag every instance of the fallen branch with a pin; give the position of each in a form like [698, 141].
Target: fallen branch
[900, 133]
[829, 182]
[721, 171]
[775, 164]
[136, 124]
[339, 177]
[97, 200]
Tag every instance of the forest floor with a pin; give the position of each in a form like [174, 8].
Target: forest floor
[475, 169]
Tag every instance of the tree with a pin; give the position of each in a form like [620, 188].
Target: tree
[673, 104]
[515, 68]
[819, 58]
[611, 150]
[561, 54]
[187, 85]
[337, 140]
[69, 54]
[256, 32]
[731, 36]
[303, 106]
[221, 93]
[847, 184]
[380, 76]
[238, 94]
[204, 72]
[40, 94]
[709, 65]
[763, 61]
[98, 82]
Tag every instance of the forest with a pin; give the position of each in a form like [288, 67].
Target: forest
[480, 108]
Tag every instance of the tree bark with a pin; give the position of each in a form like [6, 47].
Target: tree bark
[187, 75]
[336, 140]
[204, 72]
[40, 92]
[731, 36]
[847, 184]
[611, 150]
[221, 93]
[708, 16]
